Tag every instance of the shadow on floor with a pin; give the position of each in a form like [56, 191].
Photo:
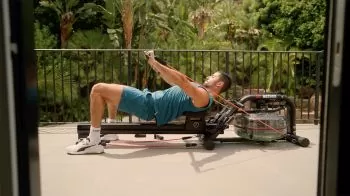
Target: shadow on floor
[220, 152]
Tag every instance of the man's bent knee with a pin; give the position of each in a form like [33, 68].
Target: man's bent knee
[104, 88]
[110, 92]
[98, 88]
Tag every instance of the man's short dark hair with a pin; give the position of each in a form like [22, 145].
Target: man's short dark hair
[226, 78]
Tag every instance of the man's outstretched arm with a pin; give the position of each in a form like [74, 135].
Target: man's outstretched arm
[171, 76]
[199, 96]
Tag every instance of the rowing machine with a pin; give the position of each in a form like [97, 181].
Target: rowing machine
[269, 118]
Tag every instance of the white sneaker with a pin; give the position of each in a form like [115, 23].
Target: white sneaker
[84, 146]
[110, 137]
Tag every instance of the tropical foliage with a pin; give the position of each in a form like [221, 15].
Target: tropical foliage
[113, 32]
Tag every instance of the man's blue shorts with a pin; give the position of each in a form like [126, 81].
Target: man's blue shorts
[136, 102]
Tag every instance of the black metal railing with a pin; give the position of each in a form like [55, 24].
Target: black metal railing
[65, 77]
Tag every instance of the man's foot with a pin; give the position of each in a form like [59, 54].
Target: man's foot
[85, 146]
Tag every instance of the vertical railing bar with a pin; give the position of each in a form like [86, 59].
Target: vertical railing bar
[194, 65]
[210, 63]
[308, 103]
[62, 84]
[243, 73]
[111, 64]
[273, 71]
[302, 85]
[104, 74]
[250, 71]
[317, 88]
[137, 82]
[54, 88]
[172, 57]
[288, 72]
[121, 67]
[138, 68]
[129, 76]
[178, 60]
[281, 71]
[104, 66]
[266, 70]
[235, 73]
[95, 65]
[129, 67]
[202, 66]
[259, 72]
[70, 84]
[79, 70]
[120, 78]
[227, 64]
[295, 77]
[87, 74]
[162, 81]
[45, 86]
[187, 61]
[218, 62]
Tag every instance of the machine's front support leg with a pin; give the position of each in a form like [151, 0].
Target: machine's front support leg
[207, 141]
[208, 144]
[301, 141]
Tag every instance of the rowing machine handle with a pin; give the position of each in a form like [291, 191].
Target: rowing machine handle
[301, 141]
[161, 61]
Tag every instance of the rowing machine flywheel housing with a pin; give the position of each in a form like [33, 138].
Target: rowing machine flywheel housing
[257, 126]
[266, 120]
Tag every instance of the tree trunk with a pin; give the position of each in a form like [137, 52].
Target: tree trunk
[127, 18]
[201, 30]
[66, 26]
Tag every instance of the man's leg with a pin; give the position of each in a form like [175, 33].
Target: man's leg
[111, 119]
[111, 113]
[100, 95]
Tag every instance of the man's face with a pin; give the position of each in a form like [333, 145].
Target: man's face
[212, 80]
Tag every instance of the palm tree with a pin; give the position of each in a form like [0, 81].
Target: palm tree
[120, 20]
[127, 18]
[202, 15]
[68, 13]
[201, 18]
